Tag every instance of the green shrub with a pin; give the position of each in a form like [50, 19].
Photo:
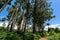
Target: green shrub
[9, 36]
[13, 36]
[57, 30]
[30, 36]
[45, 33]
[54, 37]
[2, 29]
[4, 35]
[51, 33]
[37, 36]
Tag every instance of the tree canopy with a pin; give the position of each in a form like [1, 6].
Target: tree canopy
[24, 12]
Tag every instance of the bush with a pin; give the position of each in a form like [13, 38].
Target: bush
[28, 36]
[9, 36]
[51, 33]
[4, 35]
[2, 29]
[13, 36]
[57, 30]
[45, 33]
[37, 36]
[54, 37]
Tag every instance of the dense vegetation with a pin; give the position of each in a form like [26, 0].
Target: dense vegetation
[14, 35]
[22, 14]
[6, 35]
[54, 34]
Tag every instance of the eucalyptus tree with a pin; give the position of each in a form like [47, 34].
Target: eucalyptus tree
[37, 10]
[41, 13]
[3, 3]
[12, 12]
[27, 12]
[14, 15]
[24, 4]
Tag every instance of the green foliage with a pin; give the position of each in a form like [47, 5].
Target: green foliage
[28, 36]
[57, 30]
[37, 36]
[45, 33]
[51, 32]
[2, 29]
[4, 35]
[3, 3]
[56, 36]
[13, 36]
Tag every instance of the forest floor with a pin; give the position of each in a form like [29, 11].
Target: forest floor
[43, 38]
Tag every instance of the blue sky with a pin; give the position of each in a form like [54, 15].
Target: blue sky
[4, 12]
[56, 11]
[55, 5]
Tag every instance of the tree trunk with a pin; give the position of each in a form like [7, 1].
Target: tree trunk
[25, 25]
[34, 28]
[8, 26]
[11, 28]
[34, 18]
[10, 21]
[14, 20]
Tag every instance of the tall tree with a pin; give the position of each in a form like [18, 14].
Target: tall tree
[41, 13]
[39, 9]
[3, 3]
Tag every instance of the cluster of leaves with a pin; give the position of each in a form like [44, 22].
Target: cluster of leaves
[37, 36]
[53, 34]
[30, 36]
[3, 3]
[52, 31]
[4, 35]
[56, 36]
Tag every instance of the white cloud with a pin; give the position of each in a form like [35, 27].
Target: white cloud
[46, 27]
